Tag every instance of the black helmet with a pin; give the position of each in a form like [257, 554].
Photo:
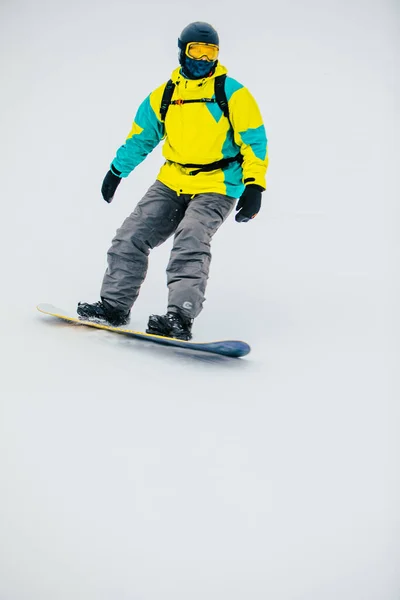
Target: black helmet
[198, 32]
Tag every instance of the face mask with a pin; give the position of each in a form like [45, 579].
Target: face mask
[196, 69]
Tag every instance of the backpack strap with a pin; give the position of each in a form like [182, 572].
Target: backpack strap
[193, 101]
[218, 164]
[220, 95]
[166, 98]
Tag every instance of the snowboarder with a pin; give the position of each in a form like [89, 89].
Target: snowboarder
[215, 151]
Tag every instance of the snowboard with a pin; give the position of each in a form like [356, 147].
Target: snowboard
[232, 348]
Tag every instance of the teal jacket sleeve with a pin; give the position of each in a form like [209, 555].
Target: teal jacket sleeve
[146, 133]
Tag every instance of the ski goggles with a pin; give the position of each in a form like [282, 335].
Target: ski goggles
[199, 50]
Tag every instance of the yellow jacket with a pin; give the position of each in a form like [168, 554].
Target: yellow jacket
[198, 133]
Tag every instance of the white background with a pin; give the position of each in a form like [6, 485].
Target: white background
[137, 472]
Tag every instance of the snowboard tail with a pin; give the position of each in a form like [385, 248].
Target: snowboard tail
[231, 348]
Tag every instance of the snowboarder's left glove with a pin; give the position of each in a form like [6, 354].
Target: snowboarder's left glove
[249, 203]
[110, 184]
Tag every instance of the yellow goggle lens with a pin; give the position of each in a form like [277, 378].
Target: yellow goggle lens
[199, 50]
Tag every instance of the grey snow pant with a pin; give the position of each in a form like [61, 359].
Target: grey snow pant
[160, 213]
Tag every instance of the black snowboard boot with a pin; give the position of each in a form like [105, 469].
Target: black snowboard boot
[170, 325]
[103, 312]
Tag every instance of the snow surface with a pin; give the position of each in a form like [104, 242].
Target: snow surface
[136, 472]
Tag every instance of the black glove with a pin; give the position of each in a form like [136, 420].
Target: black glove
[249, 203]
[110, 184]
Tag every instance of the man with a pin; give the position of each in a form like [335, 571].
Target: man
[215, 151]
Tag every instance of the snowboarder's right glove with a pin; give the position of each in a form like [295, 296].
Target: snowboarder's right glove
[249, 203]
[110, 184]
